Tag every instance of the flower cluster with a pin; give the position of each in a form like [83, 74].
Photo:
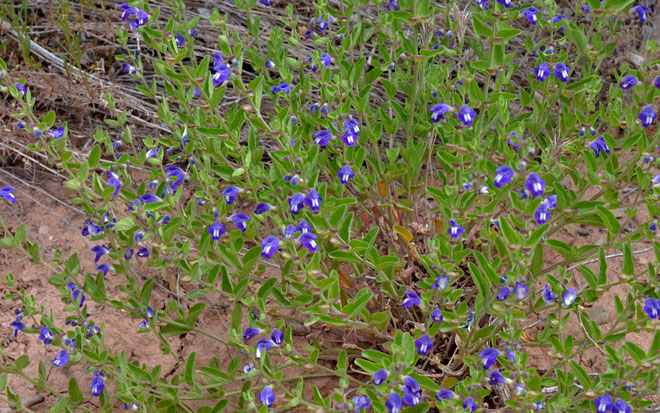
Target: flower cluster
[136, 17]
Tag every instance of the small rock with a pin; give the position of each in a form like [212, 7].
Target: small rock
[43, 229]
[583, 231]
[600, 315]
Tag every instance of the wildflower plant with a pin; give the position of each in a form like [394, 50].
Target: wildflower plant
[401, 187]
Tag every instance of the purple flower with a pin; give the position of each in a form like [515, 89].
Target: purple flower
[114, 181]
[535, 185]
[445, 394]
[261, 207]
[149, 198]
[277, 336]
[250, 333]
[436, 315]
[466, 115]
[267, 398]
[656, 82]
[410, 396]
[99, 251]
[394, 403]
[641, 12]
[548, 296]
[313, 200]
[541, 214]
[516, 143]
[503, 293]
[222, 72]
[326, 60]
[393, 5]
[411, 299]
[97, 383]
[599, 145]
[296, 203]
[441, 282]
[143, 252]
[469, 402]
[180, 40]
[130, 69]
[352, 126]
[152, 153]
[269, 64]
[18, 324]
[438, 111]
[454, 230]
[269, 246]
[57, 133]
[557, 19]
[506, 3]
[603, 403]
[379, 377]
[21, 88]
[304, 227]
[361, 402]
[264, 345]
[46, 335]
[5, 192]
[265, 2]
[551, 202]
[308, 241]
[424, 345]
[240, 219]
[628, 82]
[489, 357]
[647, 116]
[216, 230]
[503, 175]
[321, 138]
[621, 407]
[542, 72]
[652, 308]
[345, 173]
[530, 15]
[569, 297]
[104, 268]
[62, 359]
[230, 193]
[282, 87]
[562, 72]
[496, 378]
[521, 291]
[174, 171]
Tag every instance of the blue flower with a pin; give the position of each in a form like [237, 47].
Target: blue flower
[282, 87]
[99, 251]
[321, 138]
[438, 111]
[496, 378]
[542, 71]
[20, 88]
[240, 219]
[37, 132]
[392, 5]
[269, 246]
[18, 324]
[503, 175]
[530, 15]
[114, 181]
[326, 60]
[548, 295]
[180, 40]
[304, 227]
[267, 398]
[441, 282]
[230, 193]
[603, 403]
[557, 19]
[411, 299]
[445, 394]
[454, 230]
[599, 145]
[628, 81]
[424, 345]
[261, 207]
[174, 171]
[5, 192]
[269, 64]
[647, 116]
[488, 357]
[296, 203]
[265, 2]
[379, 377]
[130, 69]
[652, 308]
[542, 214]
[308, 241]
[466, 115]
[569, 297]
[562, 71]
[361, 402]
[104, 268]
[46, 335]
[313, 200]
[621, 407]
[264, 344]
[503, 293]
[394, 403]
[469, 402]
[345, 173]
[641, 12]
[97, 383]
[516, 143]
[57, 133]
[551, 202]
[535, 185]
[62, 359]
[436, 315]
[521, 291]
[324, 109]
[143, 252]
[250, 333]
[410, 397]
[216, 230]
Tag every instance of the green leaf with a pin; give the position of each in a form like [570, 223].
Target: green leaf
[20, 234]
[537, 259]
[509, 234]
[581, 375]
[251, 257]
[654, 348]
[480, 27]
[358, 303]
[189, 376]
[124, 224]
[628, 265]
[74, 391]
[576, 35]
[609, 220]
[94, 156]
[618, 5]
[479, 279]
